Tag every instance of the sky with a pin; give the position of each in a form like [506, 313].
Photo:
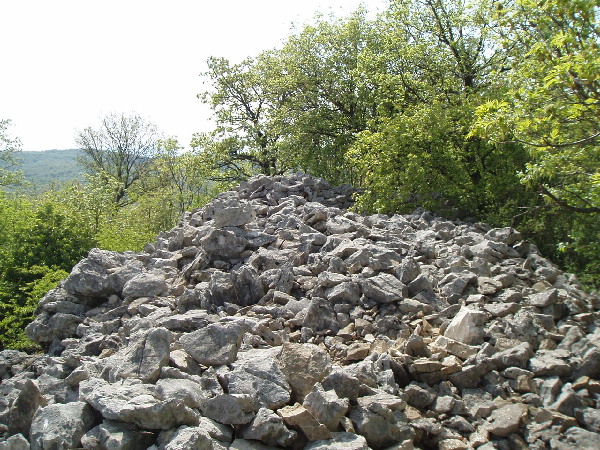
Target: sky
[65, 64]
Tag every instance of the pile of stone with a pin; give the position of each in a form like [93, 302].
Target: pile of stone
[275, 318]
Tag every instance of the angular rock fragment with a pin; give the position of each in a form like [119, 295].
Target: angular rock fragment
[150, 284]
[112, 434]
[326, 406]
[384, 288]
[340, 441]
[268, 428]
[23, 408]
[298, 416]
[230, 409]
[506, 420]
[303, 365]
[143, 358]
[60, 425]
[466, 326]
[15, 442]
[381, 428]
[215, 345]
[261, 378]
[135, 403]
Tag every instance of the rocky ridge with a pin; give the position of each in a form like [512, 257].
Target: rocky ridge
[275, 318]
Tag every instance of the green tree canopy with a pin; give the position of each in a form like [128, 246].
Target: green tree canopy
[429, 71]
[551, 103]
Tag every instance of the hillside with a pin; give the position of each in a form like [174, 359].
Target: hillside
[275, 318]
[50, 166]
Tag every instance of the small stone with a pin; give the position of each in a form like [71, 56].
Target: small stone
[15, 442]
[340, 441]
[418, 396]
[326, 406]
[465, 327]
[268, 428]
[506, 420]
[303, 365]
[298, 416]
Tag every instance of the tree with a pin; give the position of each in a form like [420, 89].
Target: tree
[9, 147]
[298, 107]
[40, 241]
[430, 70]
[326, 101]
[548, 100]
[183, 177]
[551, 103]
[242, 99]
[121, 148]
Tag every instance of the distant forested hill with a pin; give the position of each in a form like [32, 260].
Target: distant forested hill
[46, 167]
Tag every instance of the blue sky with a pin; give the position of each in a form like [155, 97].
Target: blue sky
[67, 63]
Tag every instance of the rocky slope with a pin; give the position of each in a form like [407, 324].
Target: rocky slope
[275, 318]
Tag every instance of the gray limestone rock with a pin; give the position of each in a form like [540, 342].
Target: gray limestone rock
[221, 244]
[215, 345]
[466, 326]
[60, 425]
[478, 403]
[326, 406]
[382, 427]
[340, 441]
[90, 277]
[384, 288]
[408, 270]
[421, 283]
[208, 435]
[299, 417]
[143, 358]
[231, 213]
[419, 396]
[23, 408]
[345, 292]
[260, 377]
[135, 403]
[576, 438]
[320, 316]
[250, 444]
[549, 363]
[149, 284]
[15, 442]
[344, 384]
[506, 420]
[268, 428]
[230, 409]
[588, 418]
[189, 392]
[111, 434]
